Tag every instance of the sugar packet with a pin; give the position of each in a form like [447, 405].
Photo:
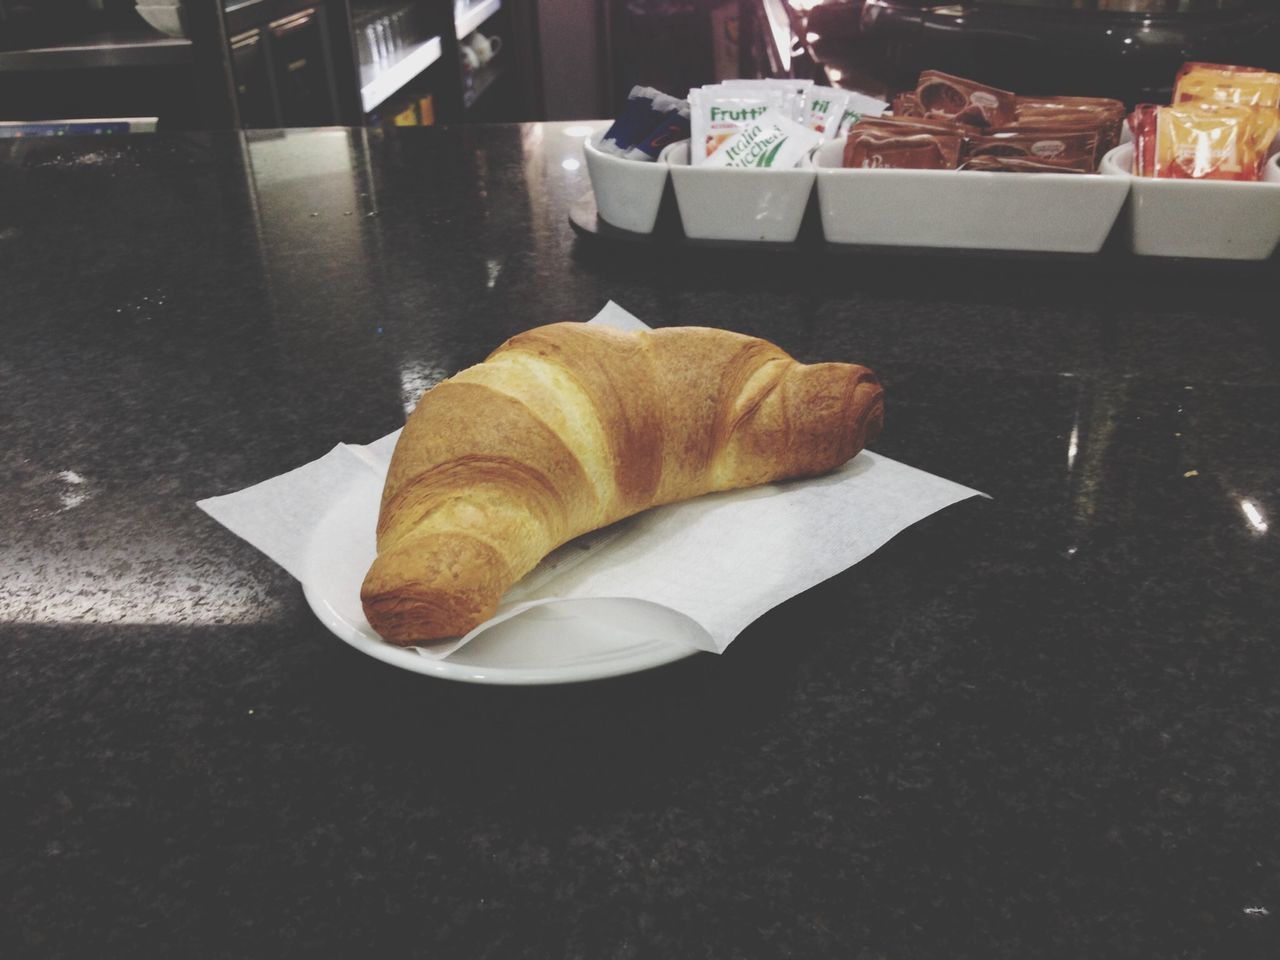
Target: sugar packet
[771, 140]
[645, 111]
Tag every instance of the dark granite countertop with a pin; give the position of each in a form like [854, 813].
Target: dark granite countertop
[1045, 725]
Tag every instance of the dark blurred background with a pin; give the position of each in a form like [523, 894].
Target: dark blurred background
[266, 63]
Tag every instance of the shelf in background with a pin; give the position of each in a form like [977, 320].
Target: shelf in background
[392, 78]
[471, 19]
[143, 47]
[12, 129]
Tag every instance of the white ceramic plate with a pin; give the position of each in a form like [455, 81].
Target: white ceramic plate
[976, 210]
[561, 642]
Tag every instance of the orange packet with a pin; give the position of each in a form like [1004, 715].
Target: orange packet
[1249, 86]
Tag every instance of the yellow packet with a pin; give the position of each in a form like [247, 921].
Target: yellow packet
[1212, 140]
[1248, 86]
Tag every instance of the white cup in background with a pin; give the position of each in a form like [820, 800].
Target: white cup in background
[485, 48]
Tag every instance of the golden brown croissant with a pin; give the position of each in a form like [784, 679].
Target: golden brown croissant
[569, 427]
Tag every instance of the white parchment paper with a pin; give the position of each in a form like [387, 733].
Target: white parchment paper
[721, 560]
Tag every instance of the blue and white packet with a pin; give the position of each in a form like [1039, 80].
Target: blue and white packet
[646, 109]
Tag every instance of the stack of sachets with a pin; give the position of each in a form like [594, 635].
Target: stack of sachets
[647, 124]
[737, 123]
[1220, 126]
[768, 123]
[951, 123]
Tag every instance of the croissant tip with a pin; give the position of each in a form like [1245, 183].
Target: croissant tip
[414, 594]
[868, 400]
[408, 621]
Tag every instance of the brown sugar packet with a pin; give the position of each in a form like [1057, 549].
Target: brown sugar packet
[905, 104]
[908, 126]
[888, 122]
[889, 126]
[965, 101]
[1105, 130]
[1018, 165]
[1106, 116]
[1033, 106]
[1062, 145]
[912, 151]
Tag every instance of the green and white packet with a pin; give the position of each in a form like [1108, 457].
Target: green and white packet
[856, 106]
[795, 91]
[770, 141]
[825, 109]
[719, 111]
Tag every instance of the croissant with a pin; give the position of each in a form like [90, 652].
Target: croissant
[570, 427]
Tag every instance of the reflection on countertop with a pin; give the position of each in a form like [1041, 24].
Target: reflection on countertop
[1040, 725]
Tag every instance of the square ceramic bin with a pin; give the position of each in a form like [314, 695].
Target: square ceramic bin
[628, 192]
[1209, 219]
[974, 210]
[717, 203]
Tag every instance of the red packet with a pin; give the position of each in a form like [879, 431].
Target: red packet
[1142, 124]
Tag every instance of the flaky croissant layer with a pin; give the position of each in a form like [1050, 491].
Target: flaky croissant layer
[570, 427]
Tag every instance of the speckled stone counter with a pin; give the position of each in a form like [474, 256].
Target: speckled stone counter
[1045, 725]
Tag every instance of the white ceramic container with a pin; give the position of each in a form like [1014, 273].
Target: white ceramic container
[1208, 219]
[966, 209]
[1271, 174]
[628, 192]
[718, 203]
